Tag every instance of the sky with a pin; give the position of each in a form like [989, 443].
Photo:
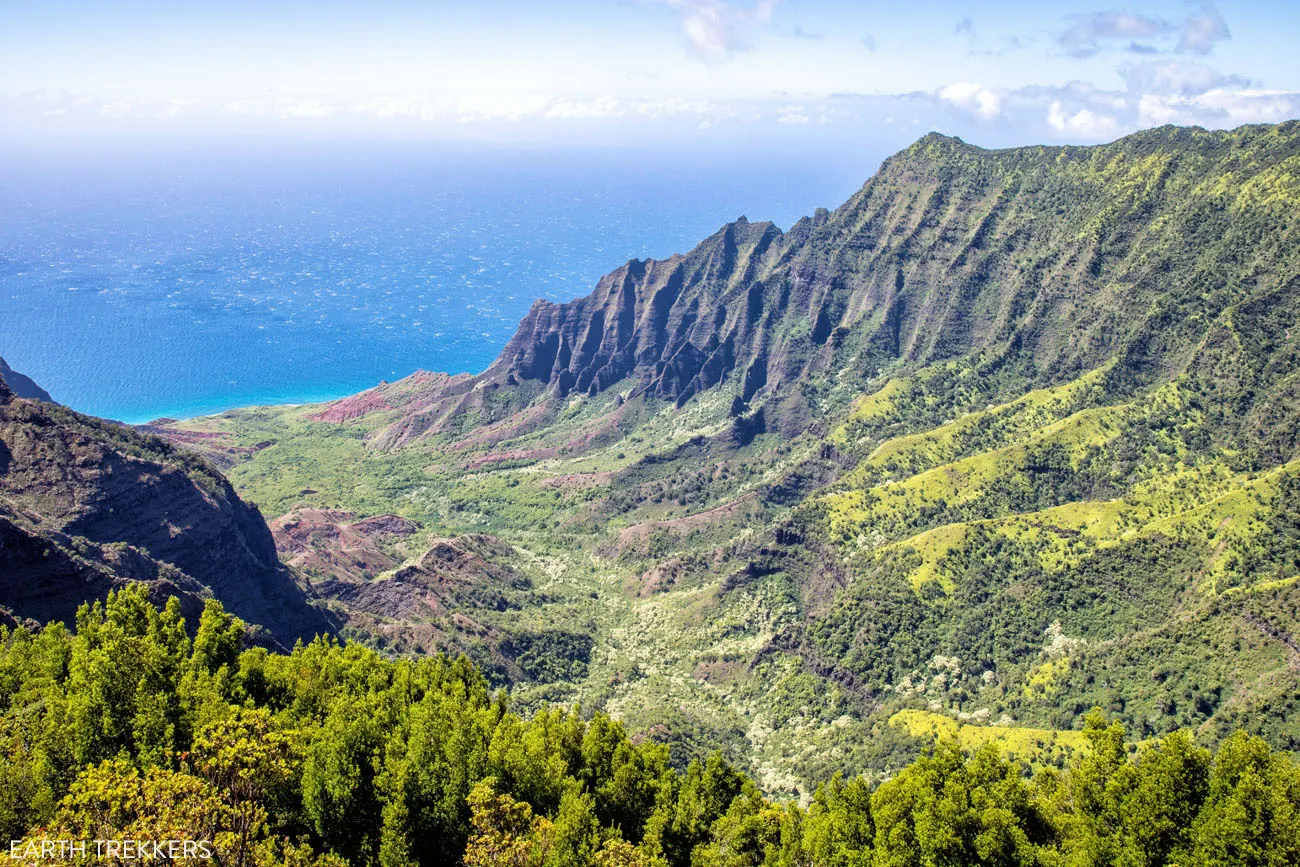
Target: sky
[639, 72]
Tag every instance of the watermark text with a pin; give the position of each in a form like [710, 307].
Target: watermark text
[120, 850]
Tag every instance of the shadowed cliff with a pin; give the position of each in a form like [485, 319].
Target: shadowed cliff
[86, 505]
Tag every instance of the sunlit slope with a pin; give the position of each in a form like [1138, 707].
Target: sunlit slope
[1033, 559]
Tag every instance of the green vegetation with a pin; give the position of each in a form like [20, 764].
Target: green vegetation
[1037, 558]
[334, 755]
[1008, 436]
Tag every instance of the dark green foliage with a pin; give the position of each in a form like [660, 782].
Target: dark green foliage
[550, 655]
[398, 762]
[689, 807]
[949, 810]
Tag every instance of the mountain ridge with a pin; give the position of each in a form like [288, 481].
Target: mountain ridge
[946, 269]
[22, 385]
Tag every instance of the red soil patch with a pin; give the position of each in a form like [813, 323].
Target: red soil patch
[162, 428]
[334, 544]
[354, 407]
[214, 445]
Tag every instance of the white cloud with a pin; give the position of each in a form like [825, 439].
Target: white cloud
[974, 98]
[306, 108]
[602, 107]
[283, 108]
[1084, 38]
[1084, 122]
[794, 114]
[458, 108]
[1178, 76]
[1219, 107]
[1178, 90]
[1201, 31]
[1157, 110]
[1174, 92]
[174, 107]
[425, 108]
[1198, 34]
[676, 106]
[715, 28]
[1252, 106]
[117, 108]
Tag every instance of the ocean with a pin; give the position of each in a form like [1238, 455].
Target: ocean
[141, 284]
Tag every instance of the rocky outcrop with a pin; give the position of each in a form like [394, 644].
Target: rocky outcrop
[88, 504]
[22, 386]
[672, 327]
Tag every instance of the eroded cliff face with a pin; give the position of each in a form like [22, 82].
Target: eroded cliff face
[673, 327]
[86, 504]
[1045, 261]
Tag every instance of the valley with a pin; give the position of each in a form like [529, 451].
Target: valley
[1008, 436]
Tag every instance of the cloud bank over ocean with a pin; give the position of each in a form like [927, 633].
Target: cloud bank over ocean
[619, 72]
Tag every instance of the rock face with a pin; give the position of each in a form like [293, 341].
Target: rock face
[22, 386]
[674, 327]
[1046, 260]
[86, 504]
[1046, 256]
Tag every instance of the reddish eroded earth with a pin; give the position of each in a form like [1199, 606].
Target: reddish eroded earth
[430, 604]
[336, 545]
[216, 446]
[354, 407]
[418, 388]
[362, 563]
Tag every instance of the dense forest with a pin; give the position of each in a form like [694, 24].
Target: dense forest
[126, 728]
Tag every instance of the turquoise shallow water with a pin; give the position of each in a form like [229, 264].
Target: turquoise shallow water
[139, 285]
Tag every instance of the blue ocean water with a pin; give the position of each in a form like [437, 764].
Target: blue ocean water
[135, 285]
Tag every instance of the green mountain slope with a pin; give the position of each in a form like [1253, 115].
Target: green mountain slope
[1008, 435]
